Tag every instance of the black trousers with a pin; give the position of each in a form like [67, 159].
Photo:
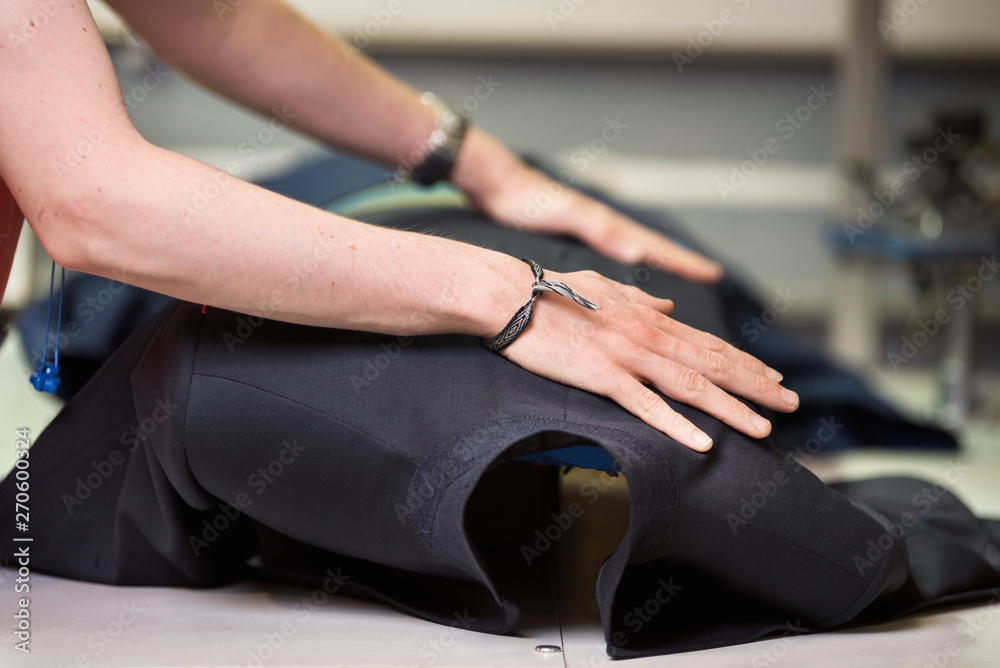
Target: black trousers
[215, 446]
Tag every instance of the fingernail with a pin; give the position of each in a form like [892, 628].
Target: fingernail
[760, 423]
[789, 397]
[773, 375]
[701, 440]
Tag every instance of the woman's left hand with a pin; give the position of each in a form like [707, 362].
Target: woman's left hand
[514, 194]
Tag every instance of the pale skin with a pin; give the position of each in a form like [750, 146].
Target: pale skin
[118, 210]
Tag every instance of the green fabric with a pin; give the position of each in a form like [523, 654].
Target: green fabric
[397, 195]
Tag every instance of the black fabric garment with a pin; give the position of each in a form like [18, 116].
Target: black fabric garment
[351, 458]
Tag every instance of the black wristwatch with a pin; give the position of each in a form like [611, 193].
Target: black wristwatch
[442, 147]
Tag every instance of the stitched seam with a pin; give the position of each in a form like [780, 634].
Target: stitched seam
[457, 439]
[187, 403]
[565, 424]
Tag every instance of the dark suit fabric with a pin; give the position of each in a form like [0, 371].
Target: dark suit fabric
[372, 446]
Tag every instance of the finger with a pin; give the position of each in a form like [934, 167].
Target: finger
[633, 243]
[706, 341]
[639, 296]
[722, 364]
[674, 258]
[648, 406]
[726, 373]
[695, 337]
[693, 388]
[629, 294]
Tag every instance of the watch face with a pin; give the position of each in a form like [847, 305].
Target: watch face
[443, 145]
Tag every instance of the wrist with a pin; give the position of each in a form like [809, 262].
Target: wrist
[484, 165]
[501, 285]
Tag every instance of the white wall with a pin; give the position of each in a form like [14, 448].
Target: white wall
[916, 28]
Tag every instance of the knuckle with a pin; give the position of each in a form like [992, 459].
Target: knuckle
[606, 372]
[644, 334]
[713, 344]
[692, 384]
[676, 423]
[625, 345]
[735, 407]
[648, 402]
[762, 385]
[670, 347]
[648, 313]
[719, 366]
[631, 292]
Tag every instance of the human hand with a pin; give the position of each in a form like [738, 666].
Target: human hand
[514, 194]
[632, 345]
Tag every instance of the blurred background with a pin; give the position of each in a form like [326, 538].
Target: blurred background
[843, 156]
[776, 131]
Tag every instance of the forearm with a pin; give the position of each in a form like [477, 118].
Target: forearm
[335, 92]
[156, 223]
[263, 54]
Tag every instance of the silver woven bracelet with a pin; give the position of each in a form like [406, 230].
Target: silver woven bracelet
[521, 319]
